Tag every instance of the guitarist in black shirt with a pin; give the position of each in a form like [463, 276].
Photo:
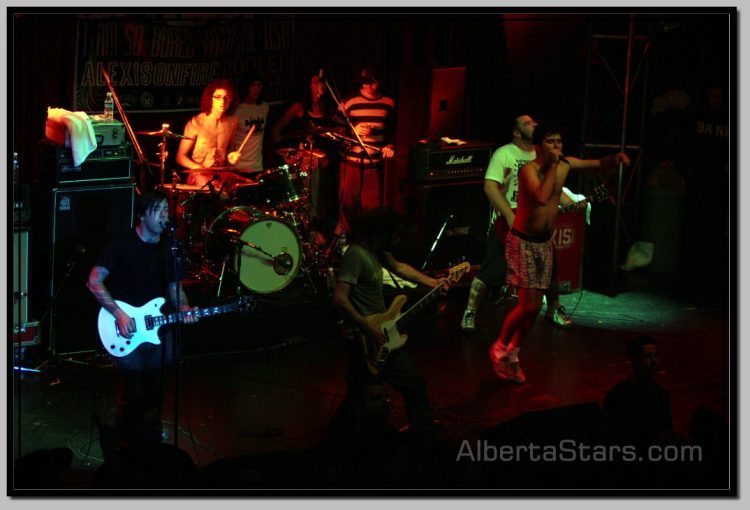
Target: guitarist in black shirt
[138, 268]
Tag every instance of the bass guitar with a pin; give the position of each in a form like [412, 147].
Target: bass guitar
[148, 319]
[599, 194]
[392, 322]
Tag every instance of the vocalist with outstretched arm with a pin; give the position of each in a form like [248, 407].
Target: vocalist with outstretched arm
[138, 268]
[528, 246]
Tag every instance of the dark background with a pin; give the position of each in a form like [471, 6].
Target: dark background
[516, 62]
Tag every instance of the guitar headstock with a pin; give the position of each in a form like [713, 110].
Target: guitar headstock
[600, 194]
[456, 272]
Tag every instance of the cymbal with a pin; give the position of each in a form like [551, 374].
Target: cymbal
[183, 188]
[295, 154]
[313, 131]
[164, 133]
[209, 169]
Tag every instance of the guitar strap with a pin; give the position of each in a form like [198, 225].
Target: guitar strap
[393, 279]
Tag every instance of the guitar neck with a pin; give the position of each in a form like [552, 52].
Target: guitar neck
[427, 299]
[173, 318]
[563, 209]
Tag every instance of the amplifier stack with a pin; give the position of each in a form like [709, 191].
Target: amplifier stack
[77, 210]
[445, 187]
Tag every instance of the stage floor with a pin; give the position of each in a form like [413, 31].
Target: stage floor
[257, 393]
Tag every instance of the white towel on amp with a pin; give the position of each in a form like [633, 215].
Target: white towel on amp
[79, 133]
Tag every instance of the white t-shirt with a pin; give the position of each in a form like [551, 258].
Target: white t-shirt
[251, 158]
[505, 164]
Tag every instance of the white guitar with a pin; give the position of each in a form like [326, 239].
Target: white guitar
[392, 322]
[148, 319]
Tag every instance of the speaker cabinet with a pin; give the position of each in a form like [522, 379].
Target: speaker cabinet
[464, 210]
[431, 104]
[72, 231]
[20, 276]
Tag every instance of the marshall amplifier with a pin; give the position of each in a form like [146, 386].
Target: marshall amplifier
[103, 165]
[437, 160]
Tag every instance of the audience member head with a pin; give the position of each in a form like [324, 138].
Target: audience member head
[642, 354]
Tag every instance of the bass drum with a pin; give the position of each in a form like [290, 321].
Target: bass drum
[238, 235]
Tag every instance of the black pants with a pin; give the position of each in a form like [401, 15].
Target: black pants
[400, 373]
[140, 396]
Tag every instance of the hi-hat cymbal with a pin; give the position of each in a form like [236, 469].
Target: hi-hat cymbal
[296, 154]
[313, 131]
[164, 133]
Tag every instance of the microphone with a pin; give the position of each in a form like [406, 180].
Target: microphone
[563, 160]
[282, 263]
[320, 75]
[169, 227]
[75, 252]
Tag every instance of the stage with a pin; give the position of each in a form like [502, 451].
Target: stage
[259, 392]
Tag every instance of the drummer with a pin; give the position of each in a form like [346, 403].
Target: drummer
[208, 135]
[311, 113]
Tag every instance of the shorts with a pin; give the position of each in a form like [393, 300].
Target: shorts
[530, 261]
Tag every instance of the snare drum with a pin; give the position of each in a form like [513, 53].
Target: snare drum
[192, 205]
[251, 241]
[283, 187]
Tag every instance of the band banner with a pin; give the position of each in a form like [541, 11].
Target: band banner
[162, 61]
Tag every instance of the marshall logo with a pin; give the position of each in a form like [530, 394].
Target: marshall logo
[456, 160]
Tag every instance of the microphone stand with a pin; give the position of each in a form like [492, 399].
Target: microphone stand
[53, 302]
[142, 161]
[437, 239]
[177, 340]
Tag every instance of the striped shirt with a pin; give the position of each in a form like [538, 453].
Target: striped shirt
[378, 113]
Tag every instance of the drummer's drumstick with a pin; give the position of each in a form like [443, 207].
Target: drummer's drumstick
[247, 137]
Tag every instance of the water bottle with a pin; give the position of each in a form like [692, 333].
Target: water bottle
[109, 108]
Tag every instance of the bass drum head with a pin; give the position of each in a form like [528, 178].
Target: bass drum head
[257, 271]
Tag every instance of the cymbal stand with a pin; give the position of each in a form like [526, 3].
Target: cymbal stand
[163, 154]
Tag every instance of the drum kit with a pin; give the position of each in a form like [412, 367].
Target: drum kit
[258, 231]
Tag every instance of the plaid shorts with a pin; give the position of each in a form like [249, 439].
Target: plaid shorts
[529, 261]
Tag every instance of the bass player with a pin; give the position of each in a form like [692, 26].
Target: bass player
[359, 293]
